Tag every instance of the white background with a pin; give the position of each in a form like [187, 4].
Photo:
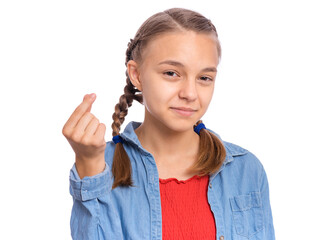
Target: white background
[275, 96]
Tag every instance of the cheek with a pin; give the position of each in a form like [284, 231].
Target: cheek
[206, 96]
[157, 92]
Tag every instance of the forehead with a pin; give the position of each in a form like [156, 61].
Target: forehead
[188, 47]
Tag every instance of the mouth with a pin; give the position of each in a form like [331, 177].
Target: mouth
[185, 112]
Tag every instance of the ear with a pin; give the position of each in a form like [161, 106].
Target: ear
[134, 74]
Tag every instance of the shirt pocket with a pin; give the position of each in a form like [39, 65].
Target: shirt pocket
[247, 213]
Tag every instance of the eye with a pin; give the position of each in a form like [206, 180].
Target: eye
[205, 78]
[170, 74]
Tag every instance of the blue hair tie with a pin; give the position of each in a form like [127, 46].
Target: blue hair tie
[117, 139]
[199, 127]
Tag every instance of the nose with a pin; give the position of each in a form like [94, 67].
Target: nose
[188, 90]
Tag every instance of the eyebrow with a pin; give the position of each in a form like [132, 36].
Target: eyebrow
[178, 64]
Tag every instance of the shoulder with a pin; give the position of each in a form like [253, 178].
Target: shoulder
[240, 156]
[132, 149]
[242, 168]
[242, 165]
[234, 149]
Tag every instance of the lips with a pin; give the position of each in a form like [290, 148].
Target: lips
[183, 111]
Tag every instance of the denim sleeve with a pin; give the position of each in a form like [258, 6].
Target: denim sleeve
[264, 189]
[92, 207]
[90, 188]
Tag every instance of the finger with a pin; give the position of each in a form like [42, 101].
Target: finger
[93, 97]
[100, 133]
[83, 122]
[92, 127]
[82, 108]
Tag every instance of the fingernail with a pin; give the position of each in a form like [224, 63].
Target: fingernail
[92, 95]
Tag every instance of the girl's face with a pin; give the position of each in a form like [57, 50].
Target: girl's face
[177, 77]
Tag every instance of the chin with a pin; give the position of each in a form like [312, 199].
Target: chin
[180, 125]
[173, 121]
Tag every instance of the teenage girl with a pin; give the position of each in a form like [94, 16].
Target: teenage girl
[168, 177]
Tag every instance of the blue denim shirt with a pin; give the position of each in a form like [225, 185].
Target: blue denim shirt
[238, 196]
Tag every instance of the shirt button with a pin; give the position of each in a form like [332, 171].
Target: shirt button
[221, 238]
[210, 185]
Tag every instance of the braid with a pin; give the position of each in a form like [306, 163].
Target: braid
[121, 167]
[121, 108]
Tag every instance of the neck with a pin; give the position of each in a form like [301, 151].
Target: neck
[167, 145]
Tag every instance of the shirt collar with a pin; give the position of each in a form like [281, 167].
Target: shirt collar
[129, 133]
[129, 136]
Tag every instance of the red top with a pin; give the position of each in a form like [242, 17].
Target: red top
[186, 213]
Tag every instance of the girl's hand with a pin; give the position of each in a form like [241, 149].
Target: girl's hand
[86, 136]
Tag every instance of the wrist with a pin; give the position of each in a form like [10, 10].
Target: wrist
[88, 168]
